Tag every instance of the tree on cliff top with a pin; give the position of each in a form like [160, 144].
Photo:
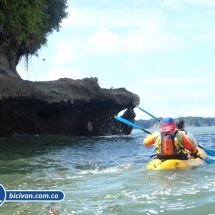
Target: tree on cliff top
[24, 27]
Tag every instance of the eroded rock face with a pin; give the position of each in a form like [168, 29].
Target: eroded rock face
[8, 64]
[66, 107]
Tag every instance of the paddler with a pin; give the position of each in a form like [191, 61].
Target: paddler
[180, 126]
[169, 143]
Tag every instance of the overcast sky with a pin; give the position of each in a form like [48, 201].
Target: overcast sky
[162, 50]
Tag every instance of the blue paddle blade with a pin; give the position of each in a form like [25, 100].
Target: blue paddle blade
[210, 152]
[127, 122]
[148, 113]
[209, 161]
[131, 124]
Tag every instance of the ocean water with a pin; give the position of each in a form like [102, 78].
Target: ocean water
[104, 175]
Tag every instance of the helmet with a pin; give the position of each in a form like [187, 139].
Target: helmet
[168, 125]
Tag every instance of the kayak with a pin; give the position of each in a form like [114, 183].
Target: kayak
[157, 164]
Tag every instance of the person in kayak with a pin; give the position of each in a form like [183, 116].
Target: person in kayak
[180, 126]
[169, 143]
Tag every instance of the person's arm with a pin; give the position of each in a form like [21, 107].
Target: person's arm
[192, 138]
[149, 140]
[188, 145]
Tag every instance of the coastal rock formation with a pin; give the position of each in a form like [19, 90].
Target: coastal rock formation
[63, 107]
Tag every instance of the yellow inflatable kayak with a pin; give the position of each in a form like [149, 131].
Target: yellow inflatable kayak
[157, 164]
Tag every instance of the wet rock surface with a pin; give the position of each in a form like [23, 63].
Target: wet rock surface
[63, 107]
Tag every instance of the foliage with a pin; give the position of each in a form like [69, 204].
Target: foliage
[190, 122]
[25, 24]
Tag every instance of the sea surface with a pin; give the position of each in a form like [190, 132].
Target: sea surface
[104, 175]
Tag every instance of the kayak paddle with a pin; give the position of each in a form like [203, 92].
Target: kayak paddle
[148, 114]
[209, 152]
[131, 124]
[208, 161]
[148, 132]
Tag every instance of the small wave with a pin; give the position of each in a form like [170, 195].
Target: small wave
[105, 171]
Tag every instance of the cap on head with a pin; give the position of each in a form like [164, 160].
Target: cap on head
[168, 125]
[179, 123]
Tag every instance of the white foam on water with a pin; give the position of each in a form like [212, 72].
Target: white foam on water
[105, 171]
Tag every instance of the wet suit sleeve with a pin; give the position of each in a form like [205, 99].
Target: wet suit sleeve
[149, 140]
[188, 145]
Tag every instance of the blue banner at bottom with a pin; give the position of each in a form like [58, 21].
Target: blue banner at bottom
[30, 195]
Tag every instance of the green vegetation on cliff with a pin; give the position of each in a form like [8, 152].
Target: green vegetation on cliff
[25, 25]
[190, 122]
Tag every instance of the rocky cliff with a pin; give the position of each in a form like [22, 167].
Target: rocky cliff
[66, 107]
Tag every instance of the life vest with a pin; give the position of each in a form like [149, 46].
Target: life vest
[170, 146]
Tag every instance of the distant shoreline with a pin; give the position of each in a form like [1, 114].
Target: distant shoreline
[190, 121]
